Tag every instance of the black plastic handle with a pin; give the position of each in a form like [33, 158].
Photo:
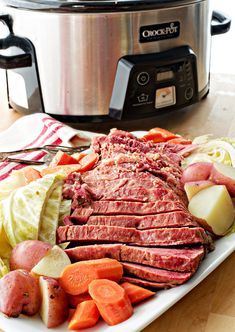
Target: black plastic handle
[14, 61]
[220, 23]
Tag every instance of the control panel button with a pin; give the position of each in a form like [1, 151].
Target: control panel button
[188, 93]
[143, 78]
[165, 97]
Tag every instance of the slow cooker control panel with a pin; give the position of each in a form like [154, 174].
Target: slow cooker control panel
[150, 83]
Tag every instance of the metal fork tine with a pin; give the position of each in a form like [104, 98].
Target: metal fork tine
[48, 148]
[23, 161]
[69, 149]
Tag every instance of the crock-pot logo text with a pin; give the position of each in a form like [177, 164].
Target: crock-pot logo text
[159, 32]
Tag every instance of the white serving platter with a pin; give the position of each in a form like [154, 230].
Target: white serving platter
[144, 313]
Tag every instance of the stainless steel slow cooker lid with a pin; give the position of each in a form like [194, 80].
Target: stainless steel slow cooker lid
[94, 5]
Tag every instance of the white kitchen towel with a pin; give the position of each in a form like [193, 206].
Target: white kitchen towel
[33, 131]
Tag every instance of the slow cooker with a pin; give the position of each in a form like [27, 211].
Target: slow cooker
[96, 60]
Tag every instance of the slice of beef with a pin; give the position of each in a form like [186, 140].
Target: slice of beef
[147, 283]
[114, 169]
[126, 185]
[169, 219]
[81, 214]
[152, 237]
[127, 207]
[153, 164]
[121, 141]
[107, 172]
[183, 259]
[129, 190]
[157, 275]
[94, 251]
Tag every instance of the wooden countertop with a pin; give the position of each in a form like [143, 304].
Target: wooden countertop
[210, 307]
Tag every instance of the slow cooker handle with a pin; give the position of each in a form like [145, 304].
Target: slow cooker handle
[220, 23]
[14, 61]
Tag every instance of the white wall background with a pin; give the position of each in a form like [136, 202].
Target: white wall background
[223, 46]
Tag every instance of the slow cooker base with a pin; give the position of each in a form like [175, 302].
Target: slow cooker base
[106, 119]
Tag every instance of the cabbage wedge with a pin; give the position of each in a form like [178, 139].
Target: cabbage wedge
[50, 217]
[22, 211]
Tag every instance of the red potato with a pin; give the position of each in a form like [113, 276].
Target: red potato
[196, 172]
[192, 188]
[54, 309]
[225, 175]
[27, 254]
[19, 294]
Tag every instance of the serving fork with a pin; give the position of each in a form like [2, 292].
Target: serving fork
[49, 148]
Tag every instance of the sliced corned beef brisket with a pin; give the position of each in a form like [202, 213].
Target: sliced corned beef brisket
[149, 237]
[154, 274]
[132, 207]
[147, 283]
[160, 220]
[183, 259]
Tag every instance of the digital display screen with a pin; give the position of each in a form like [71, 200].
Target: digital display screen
[165, 75]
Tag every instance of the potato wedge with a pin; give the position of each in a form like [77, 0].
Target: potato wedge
[52, 264]
[54, 309]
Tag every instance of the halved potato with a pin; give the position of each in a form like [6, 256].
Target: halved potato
[215, 206]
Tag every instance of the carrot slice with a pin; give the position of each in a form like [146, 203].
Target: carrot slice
[62, 158]
[88, 161]
[74, 300]
[66, 169]
[180, 140]
[159, 135]
[76, 277]
[136, 293]
[78, 155]
[31, 174]
[86, 315]
[111, 300]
